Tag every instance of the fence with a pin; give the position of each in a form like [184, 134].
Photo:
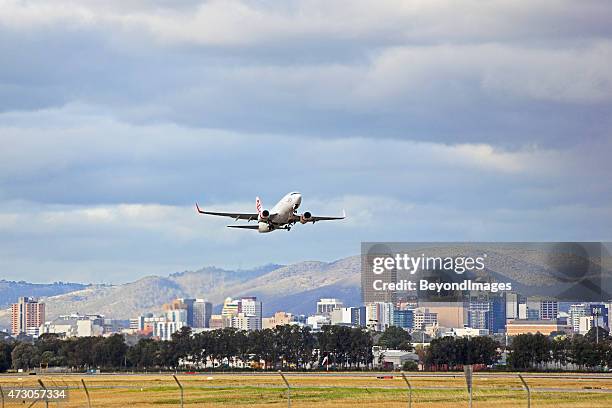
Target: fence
[318, 390]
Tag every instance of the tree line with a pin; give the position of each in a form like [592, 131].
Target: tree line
[452, 353]
[592, 351]
[285, 347]
[293, 347]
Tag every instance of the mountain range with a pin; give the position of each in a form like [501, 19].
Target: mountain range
[293, 288]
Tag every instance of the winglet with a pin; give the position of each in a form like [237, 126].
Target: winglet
[343, 213]
[198, 208]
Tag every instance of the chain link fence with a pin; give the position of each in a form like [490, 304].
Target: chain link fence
[313, 390]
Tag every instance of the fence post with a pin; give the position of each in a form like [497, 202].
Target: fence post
[527, 389]
[86, 393]
[409, 390]
[288, 388]
[44, 388]
[181, 387]
[468, 370]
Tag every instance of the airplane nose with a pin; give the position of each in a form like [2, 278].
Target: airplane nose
[298, 200]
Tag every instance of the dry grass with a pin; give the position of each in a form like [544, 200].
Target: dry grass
[318, 391]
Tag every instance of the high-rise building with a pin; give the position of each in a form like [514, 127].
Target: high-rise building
[244, 313]
[27, 316]
[479, 311]
[202, 311]
[379, 315]
[341, 316]
[404, 319]
[326, 306]
[231, 307]
[549, 309]
[533, 309]
[599, 312]
[424, 318]
[577, 311]
[252, 309]
[350, 316]
[358, 316]
[498, 316]
[515, 306]
[172, 321]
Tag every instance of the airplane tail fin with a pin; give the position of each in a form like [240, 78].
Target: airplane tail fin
[258, 205]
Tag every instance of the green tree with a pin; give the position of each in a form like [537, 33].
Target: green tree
[529, 351]
[25, 356]
[5, 356]
[395, 338]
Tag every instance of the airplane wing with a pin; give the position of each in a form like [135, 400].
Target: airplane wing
[314, 218]
[236, 216]
[243, 226]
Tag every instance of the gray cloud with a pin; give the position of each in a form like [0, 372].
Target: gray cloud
[425, 120]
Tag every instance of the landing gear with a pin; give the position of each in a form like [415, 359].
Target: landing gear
[288, 227]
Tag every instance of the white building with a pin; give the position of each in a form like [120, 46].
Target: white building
[75, 325]
[465, 332]
[171, 322]
[327, 305]
[251, 309]
[343, 315]
[394, 358]
[576, 312]
[318, 321]
[244, 313]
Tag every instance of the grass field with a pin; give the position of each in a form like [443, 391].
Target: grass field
[344, 390]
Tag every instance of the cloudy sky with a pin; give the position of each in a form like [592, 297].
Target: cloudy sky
[426, 120]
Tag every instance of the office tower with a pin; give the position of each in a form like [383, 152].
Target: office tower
[498, 316]
[533, 309]
[202, 311]
[478, 315]
[599, 312]
[326, 306]
[379, 315]
[27, 315]
[404, 319]
[515, 306]
[231, 307]
[423, 318]
[549, 309]
[251, 308]
[358, 316]
[577, 311]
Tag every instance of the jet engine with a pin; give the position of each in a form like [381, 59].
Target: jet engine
[263, 216]
[264, 227]
[306, 217]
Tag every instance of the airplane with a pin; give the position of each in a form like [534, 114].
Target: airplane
[282, 216]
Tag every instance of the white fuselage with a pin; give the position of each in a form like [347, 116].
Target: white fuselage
[282, 212]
